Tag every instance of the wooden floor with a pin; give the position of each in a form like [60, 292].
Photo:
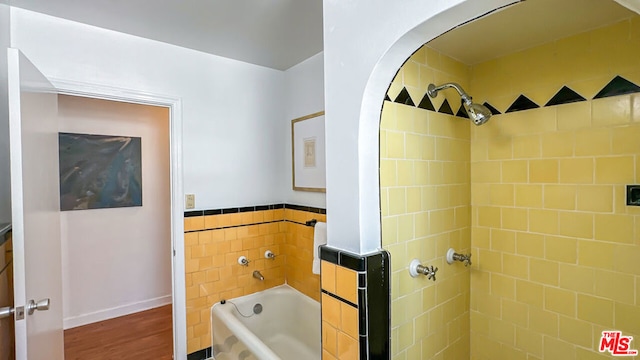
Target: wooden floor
[144, 335]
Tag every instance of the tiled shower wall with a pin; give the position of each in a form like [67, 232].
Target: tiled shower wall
[425, 197]
[556, 246]
[213, 243]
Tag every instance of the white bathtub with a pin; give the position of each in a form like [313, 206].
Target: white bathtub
[288, 327]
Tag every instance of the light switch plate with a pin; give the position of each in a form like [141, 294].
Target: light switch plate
[190, 201]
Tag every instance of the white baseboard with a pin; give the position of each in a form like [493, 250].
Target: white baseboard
[111, 313]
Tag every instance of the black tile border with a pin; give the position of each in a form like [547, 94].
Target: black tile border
[202, 354]
[322, 291]
[254, 208]
[617, 86]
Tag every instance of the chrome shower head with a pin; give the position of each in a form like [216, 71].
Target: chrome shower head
[478, 113]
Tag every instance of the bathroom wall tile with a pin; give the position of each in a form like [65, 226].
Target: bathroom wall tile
[347, 284]
[349, 320]
[328, 276]
[561, 249]
[560, 301]
[595, 310]
[560, 197]
[614, 228]
[593, 141]
[596, 254]
[329, 338]
[614, 170]
[594, 198]
[348, 347]
[574, 116]
[543, 221]
[543, 171]
[627, 318]
[575, 224]
[331, 310]
[530, 244]
[616, 286]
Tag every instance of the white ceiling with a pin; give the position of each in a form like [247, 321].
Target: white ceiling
[281, 33]
[272, 33]
[524, 25]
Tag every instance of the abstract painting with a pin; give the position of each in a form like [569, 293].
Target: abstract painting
[99, 171]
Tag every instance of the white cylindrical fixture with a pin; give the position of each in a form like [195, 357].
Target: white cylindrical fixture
[450, 253]
[242, 260]
[413, 268]
[269, 255]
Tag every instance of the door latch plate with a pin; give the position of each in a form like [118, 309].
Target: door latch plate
[19, 313]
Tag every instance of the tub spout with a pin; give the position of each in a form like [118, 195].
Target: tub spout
[257, 275]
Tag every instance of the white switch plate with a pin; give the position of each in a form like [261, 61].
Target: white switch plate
[190, 201]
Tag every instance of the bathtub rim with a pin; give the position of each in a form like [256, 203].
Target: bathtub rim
[254, 344]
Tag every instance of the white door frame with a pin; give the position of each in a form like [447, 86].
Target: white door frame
[174, 104]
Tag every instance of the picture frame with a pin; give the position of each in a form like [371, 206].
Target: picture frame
[308, 153]
[99, 171]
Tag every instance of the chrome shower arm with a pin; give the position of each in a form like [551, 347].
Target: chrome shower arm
[432, 90]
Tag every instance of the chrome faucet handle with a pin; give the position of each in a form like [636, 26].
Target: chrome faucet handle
[431, 273]
[416, 269]
[467, 260]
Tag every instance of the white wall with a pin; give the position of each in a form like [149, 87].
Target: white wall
[118, 261]
[365, 43]
[232, 143]
[304, 84]
[5, 180]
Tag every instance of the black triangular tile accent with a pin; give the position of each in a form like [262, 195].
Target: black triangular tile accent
[445, 108]
[404, 98]
[426, 103]
[462, 112]
[387, 98]
[522, 103]
[565, 96]
[617, 86]
[493, 110]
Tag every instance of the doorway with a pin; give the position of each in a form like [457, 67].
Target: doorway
[116, 262]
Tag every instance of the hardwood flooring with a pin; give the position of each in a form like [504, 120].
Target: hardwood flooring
[144, 335]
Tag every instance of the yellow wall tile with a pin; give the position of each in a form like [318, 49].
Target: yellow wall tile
[543, 221]
[348, 348]
[575, 224]
[349, 320]
[591, 142]
[615, 286]
[516, 171]
[624, 139]
[529, 293]
[543, 271]
[574, 116]
[576, 171]
[543, 171]
[596, 254]
[526, 146]
[561, 249]
[328, 276]
[560, 197]
[595, 198]
[627, 318]
[615, 228]
[595, 310]
[560, 301]
[609, 111]
[576, 331]
[615, 170]
[329, 339]
[557, 144]
[347, 284]
[528, 196]
[515, 219]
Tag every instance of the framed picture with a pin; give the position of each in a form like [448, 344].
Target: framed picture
[308, 153]
[99, 171]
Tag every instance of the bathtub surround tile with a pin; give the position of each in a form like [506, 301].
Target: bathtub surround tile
[215, 238]
[363, 294]
[203, 354]
[462, 112]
